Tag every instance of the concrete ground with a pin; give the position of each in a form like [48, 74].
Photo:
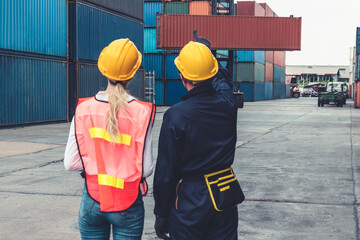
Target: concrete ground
[298, 165]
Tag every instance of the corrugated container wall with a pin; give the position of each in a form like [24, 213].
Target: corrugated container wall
[269, 90]
[259, 91]
[136, 85]
[92, 37]
[358, 40]
[277, 90]
[231, 32]
[32, 90]
[279, 58]
[287, 94]
[200, 8]
[90, 80]
[269, 72]
[268, 11]
[253, 91]
[171, 70]
[249, 8]
[177, 8]
[150, 41]
[174, 91]
[37, 26]
[130, 8]
[250, 72]
[250, 56]
[269, 56]
[150, 10]
[279, 74]
[154, 62]
[159, 92]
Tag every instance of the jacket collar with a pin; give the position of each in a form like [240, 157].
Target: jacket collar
[205, 89]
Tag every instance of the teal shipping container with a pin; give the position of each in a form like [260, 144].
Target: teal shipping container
[170, 67]
[129, 8]
[269, 90]
[90, 81]
[253, 91]
[277, 90]
[159, 92]
[92, 37]
[174, 91]
[32, 90]
[137, 85]
[287, 93]
[279, 74]
[150, 41]
[250, 56]
[150, 10]
[283, 90]
[250, 72]
[177, 8]
[358, 40]
[36, 26]
[154, 62]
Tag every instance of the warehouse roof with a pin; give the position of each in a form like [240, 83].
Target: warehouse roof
[317, 70]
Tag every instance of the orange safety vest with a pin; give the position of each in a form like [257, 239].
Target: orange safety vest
[114, 168]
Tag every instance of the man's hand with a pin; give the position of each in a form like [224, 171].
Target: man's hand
[162, 227]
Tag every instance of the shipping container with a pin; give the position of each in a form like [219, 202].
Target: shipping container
[279, 74]
[250, 56]
[269, 56]
[250, 72]
[287, 94]
[231, 32]
[150, 41]
[279, 58]
[136, 87]
[154, 62]
[129, 8]
[176, 8]
[269, 90]
[150, 10]
[268, 11]
[159, 92]
[90, 80]
[277, 90]
[171, 71]
[174, 91]
[37, 26]
[283, 90]
[253, 91]
[32, 90]
[95, 33]
[269, 72]
[358, 40]
[200, 8]
[249, 8]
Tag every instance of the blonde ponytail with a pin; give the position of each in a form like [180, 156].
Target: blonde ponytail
[117, 99]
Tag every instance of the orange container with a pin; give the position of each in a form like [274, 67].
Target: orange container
[269, 72]
[357, 95]
[279, 58]
[200, 8]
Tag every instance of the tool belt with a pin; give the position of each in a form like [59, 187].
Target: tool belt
[224, 189]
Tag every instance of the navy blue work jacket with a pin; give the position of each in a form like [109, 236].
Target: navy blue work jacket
[198, 136]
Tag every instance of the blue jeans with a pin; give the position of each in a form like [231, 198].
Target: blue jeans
[94, 224]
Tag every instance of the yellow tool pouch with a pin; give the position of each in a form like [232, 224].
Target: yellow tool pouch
[224, 189]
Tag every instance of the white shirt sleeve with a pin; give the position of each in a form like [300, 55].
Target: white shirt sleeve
[72, 160]
[148, 158]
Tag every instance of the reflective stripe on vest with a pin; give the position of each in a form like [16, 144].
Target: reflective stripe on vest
[113, 167]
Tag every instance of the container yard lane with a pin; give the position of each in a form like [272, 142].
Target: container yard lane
[297, 163]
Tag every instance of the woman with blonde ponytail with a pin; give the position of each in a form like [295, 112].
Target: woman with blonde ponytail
[110, 142]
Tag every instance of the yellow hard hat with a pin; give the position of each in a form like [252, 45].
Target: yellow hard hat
[120, 60]
[196, 62]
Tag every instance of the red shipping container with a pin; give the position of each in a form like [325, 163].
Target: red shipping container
[249, 8]
[200, 8]
[230, 32]
[279, 58]
[269, 72]
[268, 11]
[269, 56]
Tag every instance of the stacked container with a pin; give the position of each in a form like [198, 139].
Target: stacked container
[250, 65]
[49, 52]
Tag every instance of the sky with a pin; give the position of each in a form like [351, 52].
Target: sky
[328, 29]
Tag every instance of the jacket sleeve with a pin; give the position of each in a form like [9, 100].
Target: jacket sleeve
[222, 83]
[166, 171]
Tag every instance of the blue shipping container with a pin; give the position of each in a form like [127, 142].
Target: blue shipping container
[250, 56]
[283, 90]
[154, 62]
[259, 91]
[174, 91]
[137, 85]
[287, 94]
[269, 90]
[358, 40]
[159, 92]
[97, 28]
[37, 26]
[277, 90]
[279, 74]
[150, 41]
[150, 10]
[248, 90]
[32, 90]
[170, 68]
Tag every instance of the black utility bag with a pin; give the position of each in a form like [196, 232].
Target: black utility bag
[224, 189]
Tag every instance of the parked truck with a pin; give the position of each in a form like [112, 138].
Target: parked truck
[336, 93]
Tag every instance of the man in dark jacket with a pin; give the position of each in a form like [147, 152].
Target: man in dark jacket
[198, 136]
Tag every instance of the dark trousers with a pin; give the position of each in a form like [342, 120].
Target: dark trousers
[193, 216]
